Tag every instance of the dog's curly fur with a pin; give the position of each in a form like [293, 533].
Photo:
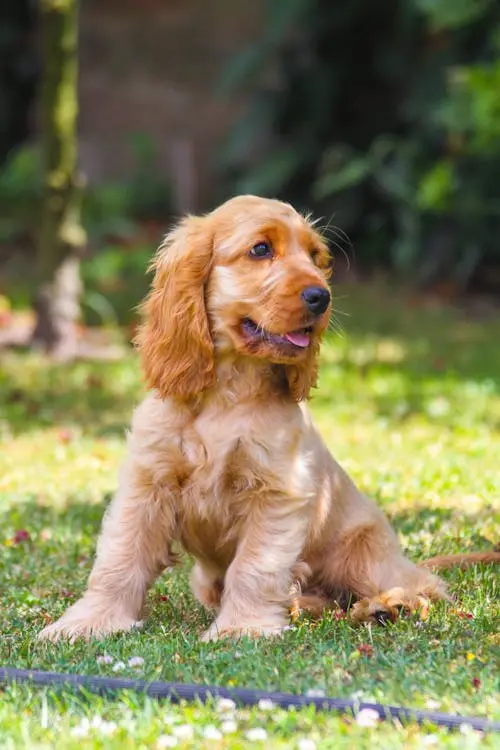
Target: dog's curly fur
[224, 460]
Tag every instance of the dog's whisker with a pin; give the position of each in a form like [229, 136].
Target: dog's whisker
[329, 229]
[341, 312]
[335, 326]
[339, 232]
[343, 251]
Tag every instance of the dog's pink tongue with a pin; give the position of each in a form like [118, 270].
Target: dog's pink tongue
[299, 338]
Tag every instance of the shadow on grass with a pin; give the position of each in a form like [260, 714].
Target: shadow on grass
[429, 360]
[439, 523]
[432, 339]
[97, 397]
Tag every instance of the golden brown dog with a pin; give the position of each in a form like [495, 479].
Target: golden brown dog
[224, 460]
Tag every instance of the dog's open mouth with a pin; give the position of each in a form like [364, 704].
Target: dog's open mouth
[299, 339]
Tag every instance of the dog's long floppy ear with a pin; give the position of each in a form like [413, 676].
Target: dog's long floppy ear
[174, 341]
[303, 376]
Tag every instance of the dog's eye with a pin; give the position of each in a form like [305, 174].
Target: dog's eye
[261, 250]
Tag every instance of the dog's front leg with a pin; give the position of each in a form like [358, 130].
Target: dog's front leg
[132, 550]
[257, 584]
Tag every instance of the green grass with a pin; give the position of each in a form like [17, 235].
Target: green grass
[409, 402]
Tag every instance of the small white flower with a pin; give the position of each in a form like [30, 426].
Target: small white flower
[119, 666]
[432, 704]
[105, 659]
[429, 740]
[257, 734]
[212, 733]
[225, 705]
[104, 727]
[315, 693]
[438, 407]
[183, 731]
[169, 719]
[306, 744]
[367, 717]
[466, 729]
[107, 727]
[237, 654]
[229, 726]
[82, 729]
[136, 661]
[79, 731]
[265, 704]
[166, 740]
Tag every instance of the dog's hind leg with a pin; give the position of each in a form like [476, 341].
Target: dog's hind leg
[367, 563]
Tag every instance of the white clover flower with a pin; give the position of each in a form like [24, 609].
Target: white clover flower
[212, 733]
[135, 661]
[105, 659]
[315, 693]
[229, 726]
[265, 704]
[82, 729]
[183, 731]
[225, 705]
[306, 744]
[432, 704]
[257, 734]
[102, 726]
[119, 666]
[429, 740]
[467, 729]
[166, 740]
[108, 727]
[367, 717]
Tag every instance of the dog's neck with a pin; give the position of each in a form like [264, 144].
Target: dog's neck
[241, 380]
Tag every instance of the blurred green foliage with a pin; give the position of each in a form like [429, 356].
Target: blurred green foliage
[115, 281]
[384, 116]
[116, 216]
[109, 209]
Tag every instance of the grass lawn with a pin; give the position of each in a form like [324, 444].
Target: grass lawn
[409, 402]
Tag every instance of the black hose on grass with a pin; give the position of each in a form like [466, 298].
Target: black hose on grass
[177, 692]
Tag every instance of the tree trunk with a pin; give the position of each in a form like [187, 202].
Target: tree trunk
[61, 237]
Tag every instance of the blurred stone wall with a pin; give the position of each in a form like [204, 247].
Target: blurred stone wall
[150, 66]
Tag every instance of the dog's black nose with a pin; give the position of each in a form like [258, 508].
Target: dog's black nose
[316, 298]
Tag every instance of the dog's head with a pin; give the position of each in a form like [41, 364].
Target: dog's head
[249, 279]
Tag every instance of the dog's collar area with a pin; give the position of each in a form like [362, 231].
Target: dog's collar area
[300, 338]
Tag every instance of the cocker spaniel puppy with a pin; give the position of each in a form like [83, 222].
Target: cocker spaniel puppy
[223, 458]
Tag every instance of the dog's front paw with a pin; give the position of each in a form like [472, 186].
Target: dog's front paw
[386, 607]
[86, 622]
[218, 631]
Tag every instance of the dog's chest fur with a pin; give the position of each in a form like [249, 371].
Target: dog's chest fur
[235, 465]
[219, 466]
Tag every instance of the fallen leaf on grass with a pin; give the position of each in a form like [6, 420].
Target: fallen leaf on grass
[20, 536]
